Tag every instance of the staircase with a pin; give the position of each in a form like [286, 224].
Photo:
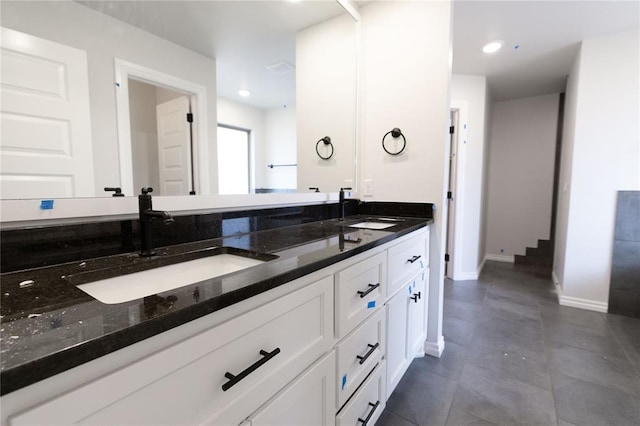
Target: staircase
[539, 259]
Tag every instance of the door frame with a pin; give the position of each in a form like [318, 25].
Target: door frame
[124, 71]
[457, 205]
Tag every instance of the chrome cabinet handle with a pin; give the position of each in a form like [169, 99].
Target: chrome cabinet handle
[414, 258]
[233, 380]
[373, 410]
[369, 290]
[372, 348]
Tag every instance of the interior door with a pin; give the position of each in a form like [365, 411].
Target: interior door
[174, 147]
[45, 143]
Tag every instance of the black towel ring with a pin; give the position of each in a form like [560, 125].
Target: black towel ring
[395, 133]
[327, 141]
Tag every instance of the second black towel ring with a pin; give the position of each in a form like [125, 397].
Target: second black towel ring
[327, 141]
[395, 133]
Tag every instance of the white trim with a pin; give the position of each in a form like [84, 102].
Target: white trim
[434, 349]
[500, 258]
[555, 279]
[575, 302]
[350, 8]
[123, 72]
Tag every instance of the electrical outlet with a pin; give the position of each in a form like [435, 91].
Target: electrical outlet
[368, 187]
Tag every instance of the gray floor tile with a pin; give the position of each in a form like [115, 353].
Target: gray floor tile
[590, 339]
[588, 404]
[458, 331]
[626, 330]
[390, 419]
[460, 310]
[611, 371]
[462, 418]
[512, 301]
[525, 366]
[449, 365]
[553, 312]
[502, 401]
[462, 293]
[422, 398]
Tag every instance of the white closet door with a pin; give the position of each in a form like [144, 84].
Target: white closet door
[45, 143]
[174, 152]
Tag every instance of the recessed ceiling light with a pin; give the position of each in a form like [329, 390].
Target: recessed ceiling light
[244, 93]
[493, 46]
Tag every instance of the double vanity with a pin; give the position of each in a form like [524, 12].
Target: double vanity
[313, 323]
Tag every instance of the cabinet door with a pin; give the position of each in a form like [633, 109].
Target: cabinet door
[306, 401]
[397, 357]
[416, 326]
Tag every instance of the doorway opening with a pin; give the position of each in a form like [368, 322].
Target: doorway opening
[180, 136]
[451, 205]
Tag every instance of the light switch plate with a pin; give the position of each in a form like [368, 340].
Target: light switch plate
[368, 187]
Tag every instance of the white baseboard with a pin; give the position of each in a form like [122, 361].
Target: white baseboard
[499, 258]
[434, 349]
[555, 279]
[575, 302]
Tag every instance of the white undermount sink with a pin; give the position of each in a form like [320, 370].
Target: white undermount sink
[372, 225]
[137, 285]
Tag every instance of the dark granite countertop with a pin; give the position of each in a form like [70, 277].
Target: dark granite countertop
[50, 326]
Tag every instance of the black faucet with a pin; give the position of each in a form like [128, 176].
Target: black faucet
[341, 202]
[146, 217]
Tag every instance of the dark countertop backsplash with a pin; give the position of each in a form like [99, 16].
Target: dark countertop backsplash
[52, 326]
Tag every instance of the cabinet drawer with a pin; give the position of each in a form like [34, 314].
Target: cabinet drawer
[368, 402]
[360, 290]
[184, 383]
[358, 353]
[406, 260]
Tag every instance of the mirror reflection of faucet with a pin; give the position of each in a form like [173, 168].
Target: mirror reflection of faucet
[341, 203]
[147, 214]
[342, 239]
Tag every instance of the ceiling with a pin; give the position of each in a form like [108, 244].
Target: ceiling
[547, 34]
[247, 36]
[243, 36]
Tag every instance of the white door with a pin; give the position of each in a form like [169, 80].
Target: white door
[174, 147]
[45, 143]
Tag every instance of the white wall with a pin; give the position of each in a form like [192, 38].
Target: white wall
[404, 76]
[105, 38]
[280, 148]
[521, 162]
[144, 135]
[602, 143]
[469, 95]
[326, 52]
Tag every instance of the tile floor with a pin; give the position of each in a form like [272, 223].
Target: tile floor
[514, 356]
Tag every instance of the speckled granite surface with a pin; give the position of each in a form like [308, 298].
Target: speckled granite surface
[50, 325]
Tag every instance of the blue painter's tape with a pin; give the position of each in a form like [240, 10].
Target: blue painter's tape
[414, 283]
[421, 264]
[409, 289]
[344, 381]
[422, 276]
[46, 205]
[371, 304]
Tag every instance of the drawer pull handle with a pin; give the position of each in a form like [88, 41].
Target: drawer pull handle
[373, 410]
[369, 290]
[372, 348]
[233, 380]
[414, 258]
[416, 296]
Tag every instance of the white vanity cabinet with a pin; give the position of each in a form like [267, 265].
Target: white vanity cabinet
[406, 307]
[193, 381]
[327, 348]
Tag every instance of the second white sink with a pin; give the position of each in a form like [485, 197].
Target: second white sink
[137, 285]
[372, 225]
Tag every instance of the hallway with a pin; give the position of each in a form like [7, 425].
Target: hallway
[514, 356]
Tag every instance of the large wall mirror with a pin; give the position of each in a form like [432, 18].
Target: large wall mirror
[188, 97]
